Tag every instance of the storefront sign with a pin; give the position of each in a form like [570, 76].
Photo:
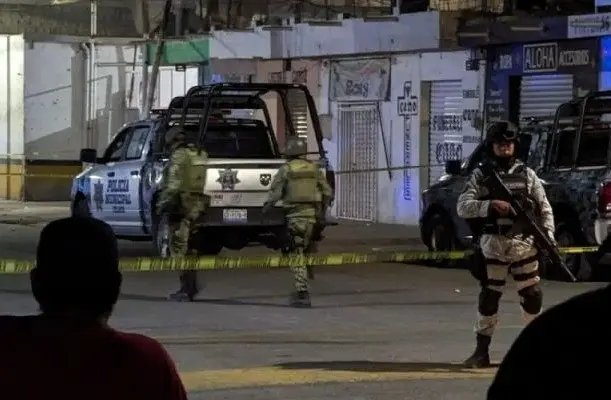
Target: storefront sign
[407, 107]
[359, 80]
[563, 57]
[591, 25]
[572, 57]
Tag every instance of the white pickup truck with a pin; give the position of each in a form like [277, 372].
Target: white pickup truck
[122, 186]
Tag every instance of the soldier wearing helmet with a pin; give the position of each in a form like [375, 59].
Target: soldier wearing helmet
[505, 248]
[303, 188]
[182, 200]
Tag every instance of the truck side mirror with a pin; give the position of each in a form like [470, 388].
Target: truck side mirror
[453, 167]
[89, 156]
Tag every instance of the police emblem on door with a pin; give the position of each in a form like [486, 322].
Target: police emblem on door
[265, 179]
[228, 179]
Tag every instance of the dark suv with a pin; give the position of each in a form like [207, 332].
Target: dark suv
[571, 153]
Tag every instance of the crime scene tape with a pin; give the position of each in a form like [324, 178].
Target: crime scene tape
[151, 264]
[348, 171]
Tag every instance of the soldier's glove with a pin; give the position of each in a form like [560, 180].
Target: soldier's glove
[502, 207]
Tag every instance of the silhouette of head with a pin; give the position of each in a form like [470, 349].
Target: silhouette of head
[77, 268]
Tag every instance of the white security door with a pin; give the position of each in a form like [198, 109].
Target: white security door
[445, 142]
[357, 192]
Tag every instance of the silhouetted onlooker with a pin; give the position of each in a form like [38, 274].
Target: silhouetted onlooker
[69, 352]
[555, 356]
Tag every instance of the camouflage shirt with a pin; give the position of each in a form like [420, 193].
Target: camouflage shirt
[177, 180]
[276, 193]
[469, 206]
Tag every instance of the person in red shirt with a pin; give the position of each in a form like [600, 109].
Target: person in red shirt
[69, 352]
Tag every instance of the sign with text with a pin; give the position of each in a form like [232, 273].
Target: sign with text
[591, 25]
[358, 80]
[548, 57]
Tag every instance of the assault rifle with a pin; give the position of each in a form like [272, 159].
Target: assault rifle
[525, 217]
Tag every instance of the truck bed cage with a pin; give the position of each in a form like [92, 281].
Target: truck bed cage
[586, 109]
[207, 97]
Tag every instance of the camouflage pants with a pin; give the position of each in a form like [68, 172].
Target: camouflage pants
[181, 228]
[180, 232]
[300, 229]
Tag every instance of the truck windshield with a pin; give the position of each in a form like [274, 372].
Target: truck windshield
[245, 140]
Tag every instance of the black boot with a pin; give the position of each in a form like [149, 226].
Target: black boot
[481, 356]
[188, 287]
[301, 299]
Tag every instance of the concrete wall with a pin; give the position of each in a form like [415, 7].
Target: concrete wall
[45, 123]
[416, 31]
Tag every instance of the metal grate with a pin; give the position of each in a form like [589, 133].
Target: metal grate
[358, 150]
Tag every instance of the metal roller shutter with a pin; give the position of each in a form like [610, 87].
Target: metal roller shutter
[540, 95]
[298, 105]
[445, 142]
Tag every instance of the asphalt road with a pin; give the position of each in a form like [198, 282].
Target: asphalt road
[383, 332]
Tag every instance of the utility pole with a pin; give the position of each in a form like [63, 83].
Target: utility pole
[159, 53]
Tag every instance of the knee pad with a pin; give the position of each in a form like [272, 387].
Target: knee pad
[488, 304]
[532, 299]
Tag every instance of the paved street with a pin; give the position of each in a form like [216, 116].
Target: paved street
[382, 332]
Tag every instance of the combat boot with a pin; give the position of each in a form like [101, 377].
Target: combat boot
[480, 357]
[301, 299]
[188, 287]
[181, 295]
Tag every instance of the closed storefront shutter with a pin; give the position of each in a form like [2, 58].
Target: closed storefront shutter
[540, 95]
[445, 142]
[299, 112]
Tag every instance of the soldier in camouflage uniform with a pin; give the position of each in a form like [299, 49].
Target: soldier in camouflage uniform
[183, 201]
[302, 187]
[505, 248]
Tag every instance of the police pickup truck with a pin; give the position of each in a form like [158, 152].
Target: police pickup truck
[232, 123]
[571, 153]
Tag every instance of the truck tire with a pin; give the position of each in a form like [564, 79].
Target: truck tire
[440, 237]
[161, 236]
[568, 235]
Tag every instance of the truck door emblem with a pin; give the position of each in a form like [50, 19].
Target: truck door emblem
[265, 179]
[98, 195]
[228, 179]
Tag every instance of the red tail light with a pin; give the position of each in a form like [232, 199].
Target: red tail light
[604, 198]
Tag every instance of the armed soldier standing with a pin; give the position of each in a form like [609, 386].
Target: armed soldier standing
[303, 189]
[183, 201]
[506, 249]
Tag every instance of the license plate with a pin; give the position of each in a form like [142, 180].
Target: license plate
[235, 215]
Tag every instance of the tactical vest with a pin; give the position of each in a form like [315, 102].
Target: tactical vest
[517, 182]
[194, 179]
[302, 182]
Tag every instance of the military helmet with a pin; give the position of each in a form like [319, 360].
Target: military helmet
[295, 146]
[502, 131]
[175, 135]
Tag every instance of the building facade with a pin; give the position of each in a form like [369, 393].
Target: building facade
[402, 116]
[533, 79]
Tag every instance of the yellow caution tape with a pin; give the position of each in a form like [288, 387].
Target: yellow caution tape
[149, 264]
[349, 171]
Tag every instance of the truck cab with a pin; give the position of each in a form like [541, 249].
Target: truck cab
[232, 124]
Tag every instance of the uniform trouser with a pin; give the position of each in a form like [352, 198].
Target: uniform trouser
[506, 257]
[300, 231]
[180, 232]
